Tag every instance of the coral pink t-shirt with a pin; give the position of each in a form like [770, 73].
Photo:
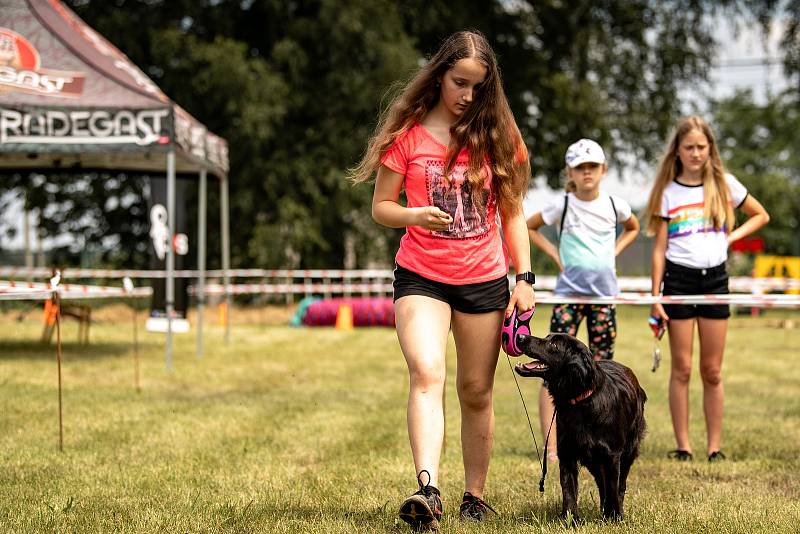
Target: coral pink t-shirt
[471, 249]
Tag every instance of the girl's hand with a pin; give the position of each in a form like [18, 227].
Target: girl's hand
[522, 297]
[657, 310]
[432, 218]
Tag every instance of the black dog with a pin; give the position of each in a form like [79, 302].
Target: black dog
[599, 414]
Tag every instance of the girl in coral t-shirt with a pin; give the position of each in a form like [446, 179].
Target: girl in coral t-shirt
[450, 140]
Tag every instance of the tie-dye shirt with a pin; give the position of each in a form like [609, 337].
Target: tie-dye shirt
[587, 243]
[471, 249]
[692, 241]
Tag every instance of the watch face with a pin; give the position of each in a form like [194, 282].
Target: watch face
[526, 277]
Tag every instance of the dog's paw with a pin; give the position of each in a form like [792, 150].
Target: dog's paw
[613, 515]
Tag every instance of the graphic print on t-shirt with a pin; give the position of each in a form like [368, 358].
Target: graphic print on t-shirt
[688, 219]
[455, 196]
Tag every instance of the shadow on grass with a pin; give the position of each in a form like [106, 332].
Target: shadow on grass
[36, 350]
[293, 517]
[538, 514]
[547, 513]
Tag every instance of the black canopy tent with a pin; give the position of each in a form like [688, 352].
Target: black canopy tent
[70, 100]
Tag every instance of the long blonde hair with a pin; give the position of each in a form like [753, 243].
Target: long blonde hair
[717, 208]
[486, 128]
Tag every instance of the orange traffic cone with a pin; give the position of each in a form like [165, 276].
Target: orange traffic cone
[344, 317]
[222, 311]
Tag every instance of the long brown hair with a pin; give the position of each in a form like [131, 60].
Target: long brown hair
[486, 128]
[716, 201]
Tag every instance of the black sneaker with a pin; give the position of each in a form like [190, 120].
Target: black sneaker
[474, 508]
[716, 456]
[680, 455]
[423, 510]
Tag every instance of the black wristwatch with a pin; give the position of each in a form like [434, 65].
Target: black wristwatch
[527, 277]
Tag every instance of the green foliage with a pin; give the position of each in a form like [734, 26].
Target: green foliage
[606, 70]
[102, 211]
[295, 88]
[759, 146]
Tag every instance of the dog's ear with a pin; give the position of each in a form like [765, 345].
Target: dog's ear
[578, 375]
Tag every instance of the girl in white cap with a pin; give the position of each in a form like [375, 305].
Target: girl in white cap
[587, 219]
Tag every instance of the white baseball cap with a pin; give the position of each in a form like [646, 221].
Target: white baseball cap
[584, 151]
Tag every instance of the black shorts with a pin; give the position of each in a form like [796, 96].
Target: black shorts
[468, 298]
[680, 280]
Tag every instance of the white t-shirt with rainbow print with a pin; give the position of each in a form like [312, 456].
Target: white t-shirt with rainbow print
[691, 240]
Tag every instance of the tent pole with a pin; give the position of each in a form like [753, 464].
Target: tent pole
[226, 254]
[170, 252]
[201, 260]
[26, 232]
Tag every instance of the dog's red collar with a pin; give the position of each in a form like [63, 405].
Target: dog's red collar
[583, 396]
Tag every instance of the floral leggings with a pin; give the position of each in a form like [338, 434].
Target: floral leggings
[601, 321]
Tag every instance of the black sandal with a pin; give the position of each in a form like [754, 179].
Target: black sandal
[716, 456]
[681, 455]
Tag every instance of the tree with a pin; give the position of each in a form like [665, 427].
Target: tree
[606, 70]
[295, 88]
[758, 144]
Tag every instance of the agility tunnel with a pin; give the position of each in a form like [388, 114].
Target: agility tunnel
[366, 311]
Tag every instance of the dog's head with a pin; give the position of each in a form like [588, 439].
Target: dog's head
[562, 360]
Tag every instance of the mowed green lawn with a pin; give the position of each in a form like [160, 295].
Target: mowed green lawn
[303, 430]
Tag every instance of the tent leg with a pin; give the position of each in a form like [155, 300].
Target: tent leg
[201, 260]
[226, 253]
[170, 253]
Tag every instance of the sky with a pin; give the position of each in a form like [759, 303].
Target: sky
[739, 66]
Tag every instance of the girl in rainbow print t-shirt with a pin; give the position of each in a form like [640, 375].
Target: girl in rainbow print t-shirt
[691, 241]
[690, 214]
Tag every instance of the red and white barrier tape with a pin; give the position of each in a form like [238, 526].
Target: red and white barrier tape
[331, 277]
[44, 273]
[11, 290]
[738, 299]
[24, 294]
[542, 297]
[298, 289]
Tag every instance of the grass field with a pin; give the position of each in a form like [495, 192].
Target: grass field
[303, 430]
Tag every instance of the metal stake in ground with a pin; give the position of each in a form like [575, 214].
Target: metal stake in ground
[127, 283]
[135, 349]
[57, 303]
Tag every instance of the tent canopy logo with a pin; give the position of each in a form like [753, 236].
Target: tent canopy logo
[20, 70]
